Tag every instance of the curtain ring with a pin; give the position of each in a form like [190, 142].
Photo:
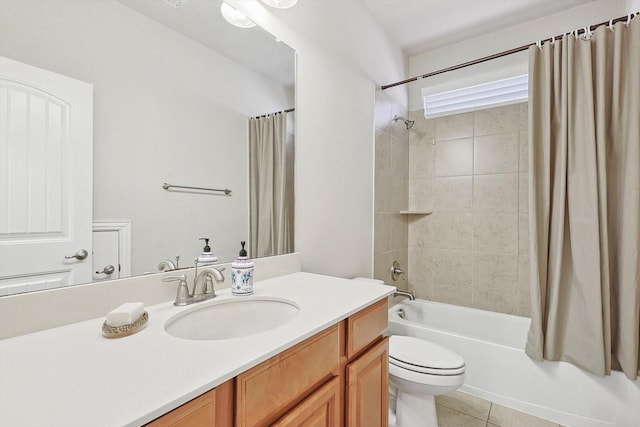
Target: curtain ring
[575, 34]
[539, 44]
[610, 26]
[629, 16]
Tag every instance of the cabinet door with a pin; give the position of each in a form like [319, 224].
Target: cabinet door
[368, 388]
[321, 409]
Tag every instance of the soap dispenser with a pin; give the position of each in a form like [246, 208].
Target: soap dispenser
[242, 274]
[206, 257]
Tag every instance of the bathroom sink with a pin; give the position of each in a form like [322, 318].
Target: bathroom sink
[231, 318]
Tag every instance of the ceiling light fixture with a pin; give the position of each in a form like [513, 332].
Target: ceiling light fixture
[280, 4]
[235, 17]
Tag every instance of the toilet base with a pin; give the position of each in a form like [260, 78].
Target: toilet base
[415, 410]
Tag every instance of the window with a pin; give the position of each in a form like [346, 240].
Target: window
[486, 95]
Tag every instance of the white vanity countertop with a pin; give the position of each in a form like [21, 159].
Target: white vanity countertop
[72, 376]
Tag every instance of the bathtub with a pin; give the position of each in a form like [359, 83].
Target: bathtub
[498, 370]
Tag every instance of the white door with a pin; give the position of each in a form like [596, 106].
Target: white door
[46, 177]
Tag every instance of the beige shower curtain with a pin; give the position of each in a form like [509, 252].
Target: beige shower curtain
[584, 194]
[270, 192]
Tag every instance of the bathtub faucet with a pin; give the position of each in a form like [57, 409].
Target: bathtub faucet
[408, 294]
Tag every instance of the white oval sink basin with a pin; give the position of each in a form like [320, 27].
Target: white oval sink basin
[231, 318]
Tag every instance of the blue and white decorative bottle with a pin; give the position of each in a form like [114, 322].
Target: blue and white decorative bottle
[242, 274]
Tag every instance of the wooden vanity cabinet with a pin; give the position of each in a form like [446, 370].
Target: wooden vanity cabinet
[336, 378]
[357, 396]
[367, 368]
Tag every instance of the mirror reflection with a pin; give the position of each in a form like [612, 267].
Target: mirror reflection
[173, 91]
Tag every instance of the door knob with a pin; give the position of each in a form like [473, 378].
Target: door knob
[108, 270]
[80, 255]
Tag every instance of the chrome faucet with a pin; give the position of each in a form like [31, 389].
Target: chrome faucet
[207, 289]
[408, 294]
[204, 292]
[396, 271]
[168, 265]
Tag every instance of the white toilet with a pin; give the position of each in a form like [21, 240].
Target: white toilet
[420, 370]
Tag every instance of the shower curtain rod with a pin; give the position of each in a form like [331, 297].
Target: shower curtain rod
[501, 54]
[277, 112]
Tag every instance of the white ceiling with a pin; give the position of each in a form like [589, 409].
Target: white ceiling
[201, 21]
[417, 26]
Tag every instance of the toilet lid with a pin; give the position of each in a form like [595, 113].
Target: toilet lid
[423, 356]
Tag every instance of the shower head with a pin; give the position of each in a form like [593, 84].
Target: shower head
[408, 123]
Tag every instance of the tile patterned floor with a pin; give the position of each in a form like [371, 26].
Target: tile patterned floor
[459, 409]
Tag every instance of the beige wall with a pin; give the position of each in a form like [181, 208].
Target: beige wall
[471, 170]
[391, 189]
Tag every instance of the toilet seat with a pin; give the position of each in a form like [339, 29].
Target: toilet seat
[424, 357]
[419, 371]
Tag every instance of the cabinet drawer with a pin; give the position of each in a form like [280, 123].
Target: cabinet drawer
[366, 326]
[265, 390]
[322, 408]
[211, 409]
[201, 411]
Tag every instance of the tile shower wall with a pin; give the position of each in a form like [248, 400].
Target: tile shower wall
[391, 189]
[470, 169]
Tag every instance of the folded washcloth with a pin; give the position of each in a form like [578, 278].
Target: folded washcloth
[126, 314]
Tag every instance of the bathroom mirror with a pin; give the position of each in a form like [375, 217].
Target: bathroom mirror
[173, 89]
